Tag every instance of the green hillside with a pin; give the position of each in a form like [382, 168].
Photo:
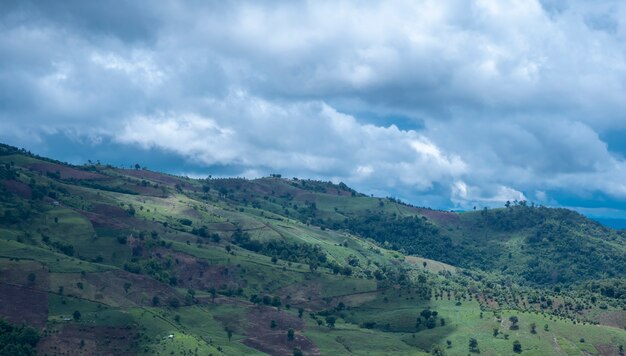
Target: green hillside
[96, 259]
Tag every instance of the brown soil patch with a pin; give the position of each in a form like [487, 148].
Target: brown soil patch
[607, 350]
[356, 298]
[198, 274]
[488, 302]
[153, 176]
[221, 226]
[148, 191]
[20, 304]
[64, 171]
[112, 211]
[306, 294]
[339, 192]
[192, 213]
[18, 188]
[274, 341]
[103, 221]
[105, 215]
[615, 318]
[96, 340]
[141, 292]
[17, 273]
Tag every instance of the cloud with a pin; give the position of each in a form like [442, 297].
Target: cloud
[510, 99]
[254, 133]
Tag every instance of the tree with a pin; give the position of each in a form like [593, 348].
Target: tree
[297, 352]
[156, 301]
[330, 321]
[190, 298]
[276, 301]
[229, 333]
[449, 343]
[274, 259]
[213, 293]
[473, 345]
[533, 328]
[127, 286]
[495, 332]
[513, 319]
[76, 315]
[517, 346]
[290, 334]
[273, 324]
[31, 277]
[173, 302]
[300, 312]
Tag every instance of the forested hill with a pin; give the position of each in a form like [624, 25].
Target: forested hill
[97, 259]
[534, 244]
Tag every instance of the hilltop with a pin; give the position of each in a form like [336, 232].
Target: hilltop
[100, 260]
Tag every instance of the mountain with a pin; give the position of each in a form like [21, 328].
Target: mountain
[96, 259]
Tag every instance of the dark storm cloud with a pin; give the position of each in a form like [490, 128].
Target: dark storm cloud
[124, 20]
[474, 102]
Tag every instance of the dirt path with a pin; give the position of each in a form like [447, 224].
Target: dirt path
[557, 347]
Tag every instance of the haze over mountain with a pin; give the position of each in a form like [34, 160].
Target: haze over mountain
[448, 104]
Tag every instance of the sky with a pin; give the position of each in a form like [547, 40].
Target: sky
[447, 104]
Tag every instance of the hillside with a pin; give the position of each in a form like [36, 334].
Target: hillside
[104, 260]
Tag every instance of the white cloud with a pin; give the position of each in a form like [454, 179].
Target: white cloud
[511, 97]
[140, 67]
[310, 138]
[465, 196]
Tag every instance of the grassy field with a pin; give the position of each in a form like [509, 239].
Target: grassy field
[111, 261]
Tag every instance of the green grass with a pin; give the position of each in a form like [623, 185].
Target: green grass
[272, 210]
[56, 262]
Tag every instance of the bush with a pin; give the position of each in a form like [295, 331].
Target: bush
[185, 222]
[517, 346]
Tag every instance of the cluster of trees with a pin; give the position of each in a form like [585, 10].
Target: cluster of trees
[520, 215]
[429, 319]
[555, 251]
[67, 249]
[551, 255]
[293, 252]
[18, 340]
[7, 171]
[612, 287]
[266, 300]
[413, 234]
[161, 270]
